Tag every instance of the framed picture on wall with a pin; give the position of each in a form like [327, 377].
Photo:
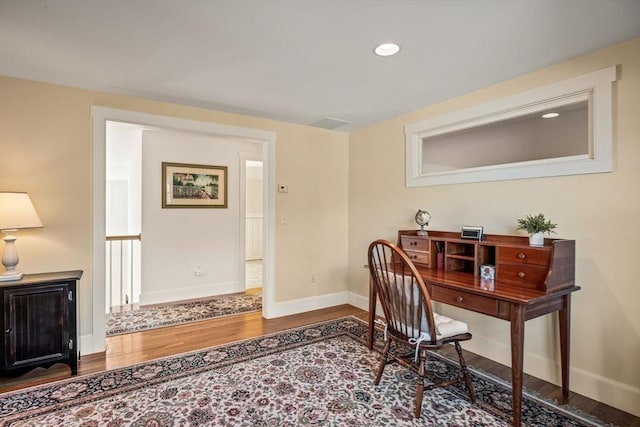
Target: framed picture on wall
[193, 186]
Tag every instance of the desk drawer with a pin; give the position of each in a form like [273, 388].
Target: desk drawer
[414, 243]
[465, 300]
[418, 257]
[524, 256]
[525, 275]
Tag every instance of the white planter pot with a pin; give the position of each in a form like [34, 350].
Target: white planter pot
[536, 239]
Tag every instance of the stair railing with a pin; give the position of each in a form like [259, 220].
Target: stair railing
[120, 271]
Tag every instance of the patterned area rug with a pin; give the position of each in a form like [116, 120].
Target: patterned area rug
[319, 375]
[158, 316]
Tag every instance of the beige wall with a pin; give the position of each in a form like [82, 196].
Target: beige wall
[176, 242]
[45, 140]
[599, 211]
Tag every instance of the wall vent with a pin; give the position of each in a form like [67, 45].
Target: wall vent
[330, 123]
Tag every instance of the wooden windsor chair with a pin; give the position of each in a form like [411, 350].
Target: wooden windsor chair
[410, 320]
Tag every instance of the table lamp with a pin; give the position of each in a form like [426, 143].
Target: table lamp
[16, 212]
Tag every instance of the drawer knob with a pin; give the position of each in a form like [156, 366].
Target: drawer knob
[521, 255]
[521, 275]
[459, 299]
[8, 331]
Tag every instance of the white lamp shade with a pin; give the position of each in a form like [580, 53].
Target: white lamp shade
[17, 211]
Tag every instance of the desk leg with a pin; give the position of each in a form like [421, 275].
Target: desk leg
[564, 317]
[517, 359]
[373, 299]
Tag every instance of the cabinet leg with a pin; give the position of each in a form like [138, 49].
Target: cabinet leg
[73, 363]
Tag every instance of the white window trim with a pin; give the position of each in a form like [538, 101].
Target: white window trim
[595, 87]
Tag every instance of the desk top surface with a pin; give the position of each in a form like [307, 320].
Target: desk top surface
[498, 290]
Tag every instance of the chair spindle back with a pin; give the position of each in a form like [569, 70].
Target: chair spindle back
[401, 291]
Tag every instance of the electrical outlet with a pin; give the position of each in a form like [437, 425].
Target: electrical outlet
[198, 272]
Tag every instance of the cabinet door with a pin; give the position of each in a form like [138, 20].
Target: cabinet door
[36, 323]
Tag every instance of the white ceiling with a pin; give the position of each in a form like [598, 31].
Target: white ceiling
[301, 61]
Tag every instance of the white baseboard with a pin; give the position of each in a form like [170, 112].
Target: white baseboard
[593, 386]
[183, 293]
[89, 346]
[605, 390]
[359, 301]
[302, 305]
[363, 303]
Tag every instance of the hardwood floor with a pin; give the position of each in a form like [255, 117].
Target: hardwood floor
[129, 349]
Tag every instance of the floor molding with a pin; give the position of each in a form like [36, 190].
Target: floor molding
[303, 305]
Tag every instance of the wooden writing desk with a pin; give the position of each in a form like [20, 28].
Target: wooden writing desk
[530, 282]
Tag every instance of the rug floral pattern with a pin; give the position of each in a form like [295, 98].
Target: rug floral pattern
[157, 316]
[321, 375]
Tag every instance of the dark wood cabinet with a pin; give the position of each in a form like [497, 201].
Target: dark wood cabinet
[39, 322]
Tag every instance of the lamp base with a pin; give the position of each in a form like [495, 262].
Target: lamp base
[11, 276]
[10, 258]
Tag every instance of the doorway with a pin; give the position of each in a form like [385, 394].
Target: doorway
[95, 341]
[123, 215]
[251, 184]
[252, 203]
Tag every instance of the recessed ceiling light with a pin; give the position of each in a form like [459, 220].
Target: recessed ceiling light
[387, 49]
[550, 115]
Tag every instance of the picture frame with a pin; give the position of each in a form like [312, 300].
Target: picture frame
[193, 186]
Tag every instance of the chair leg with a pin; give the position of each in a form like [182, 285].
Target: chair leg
[383, 362]
[465, 372]
[420, 388]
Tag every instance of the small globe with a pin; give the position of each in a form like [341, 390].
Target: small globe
[423, 218]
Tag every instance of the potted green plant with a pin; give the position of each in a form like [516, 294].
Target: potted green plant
[536, 226]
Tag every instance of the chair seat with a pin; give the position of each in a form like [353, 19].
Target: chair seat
[445, 327]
